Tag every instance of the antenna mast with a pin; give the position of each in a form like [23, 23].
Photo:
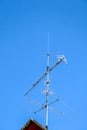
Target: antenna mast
[47, 85]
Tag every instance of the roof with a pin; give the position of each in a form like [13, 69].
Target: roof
[33, 125]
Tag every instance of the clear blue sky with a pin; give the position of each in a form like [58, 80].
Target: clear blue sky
[24, 25]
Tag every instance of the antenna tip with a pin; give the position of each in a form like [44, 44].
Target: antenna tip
[63, 58]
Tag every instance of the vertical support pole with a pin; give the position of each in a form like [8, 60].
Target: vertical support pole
[47, 86]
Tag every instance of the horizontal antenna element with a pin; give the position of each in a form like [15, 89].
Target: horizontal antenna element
[44, 106]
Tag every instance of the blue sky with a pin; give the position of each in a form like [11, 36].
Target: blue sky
[24, 27]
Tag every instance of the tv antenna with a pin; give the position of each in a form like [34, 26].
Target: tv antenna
[47, 92]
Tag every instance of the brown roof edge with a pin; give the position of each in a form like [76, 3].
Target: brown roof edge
[35, 122]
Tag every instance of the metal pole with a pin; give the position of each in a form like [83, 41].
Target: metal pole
[47, 86]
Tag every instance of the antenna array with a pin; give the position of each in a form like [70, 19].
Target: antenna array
[47, 92]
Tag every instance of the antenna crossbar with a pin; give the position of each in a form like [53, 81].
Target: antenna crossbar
[44, 106]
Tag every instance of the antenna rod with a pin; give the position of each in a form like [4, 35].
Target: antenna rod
[44, 106]
[47, 85]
